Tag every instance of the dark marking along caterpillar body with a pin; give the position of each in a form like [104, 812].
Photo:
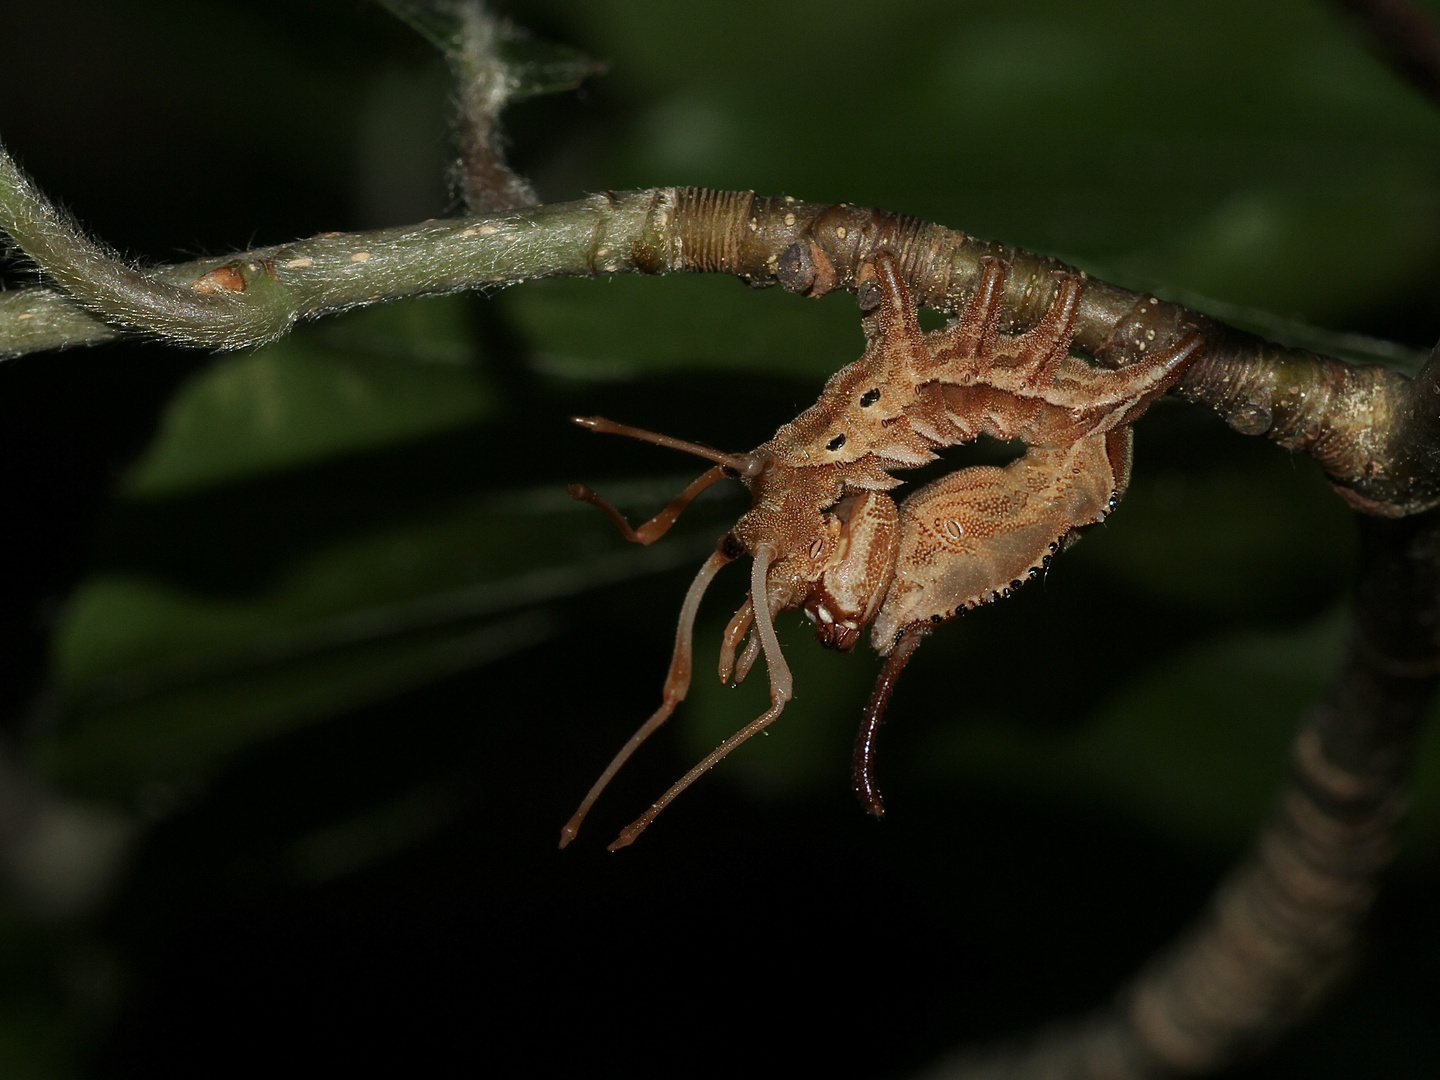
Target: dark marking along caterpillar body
[825, 536]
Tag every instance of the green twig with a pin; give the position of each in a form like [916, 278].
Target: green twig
[1341, 414]
[97, 281]
[256, 296]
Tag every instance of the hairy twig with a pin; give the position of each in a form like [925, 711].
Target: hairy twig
[1343, 415]
[95, 280]
[256, 296]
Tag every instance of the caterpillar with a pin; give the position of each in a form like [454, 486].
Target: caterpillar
[824, 534]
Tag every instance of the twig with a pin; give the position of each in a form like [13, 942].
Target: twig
[470, 38]
[1339, 413]
[485, 85]
[99, 282]
[495, 64]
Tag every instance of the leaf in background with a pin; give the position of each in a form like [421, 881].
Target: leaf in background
[538, 67]
[156, 684]
[1246, 151]
[343, 847]
[318, 524]
[1224, 540]
[38, 1037]
[1195, 749]
[381, 376]
[439, 22]
[627, 328]
[1265, 245]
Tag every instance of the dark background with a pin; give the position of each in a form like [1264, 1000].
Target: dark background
[319, 657]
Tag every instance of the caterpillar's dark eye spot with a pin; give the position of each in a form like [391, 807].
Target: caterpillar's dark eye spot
[869, 398]
[836, 443]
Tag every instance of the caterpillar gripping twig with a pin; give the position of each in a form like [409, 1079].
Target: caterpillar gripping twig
[824, 534]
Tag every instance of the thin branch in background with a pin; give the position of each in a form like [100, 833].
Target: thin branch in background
[495, 64]
[1403, 36]
[482, 174]
[1283, 925]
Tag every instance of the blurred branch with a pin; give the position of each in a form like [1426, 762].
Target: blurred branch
[486, 181]
[494, 64]
[1403, 36]
[1283, 925]
[1347, 417]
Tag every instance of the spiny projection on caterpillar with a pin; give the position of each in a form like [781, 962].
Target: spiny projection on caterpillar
[824, 535]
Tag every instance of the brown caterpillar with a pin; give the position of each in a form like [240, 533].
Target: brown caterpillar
[824, 535]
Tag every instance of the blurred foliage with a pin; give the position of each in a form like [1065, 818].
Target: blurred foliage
[337, 612]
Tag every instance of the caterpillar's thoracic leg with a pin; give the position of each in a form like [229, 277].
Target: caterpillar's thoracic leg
[660, 524]
[739, 626]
